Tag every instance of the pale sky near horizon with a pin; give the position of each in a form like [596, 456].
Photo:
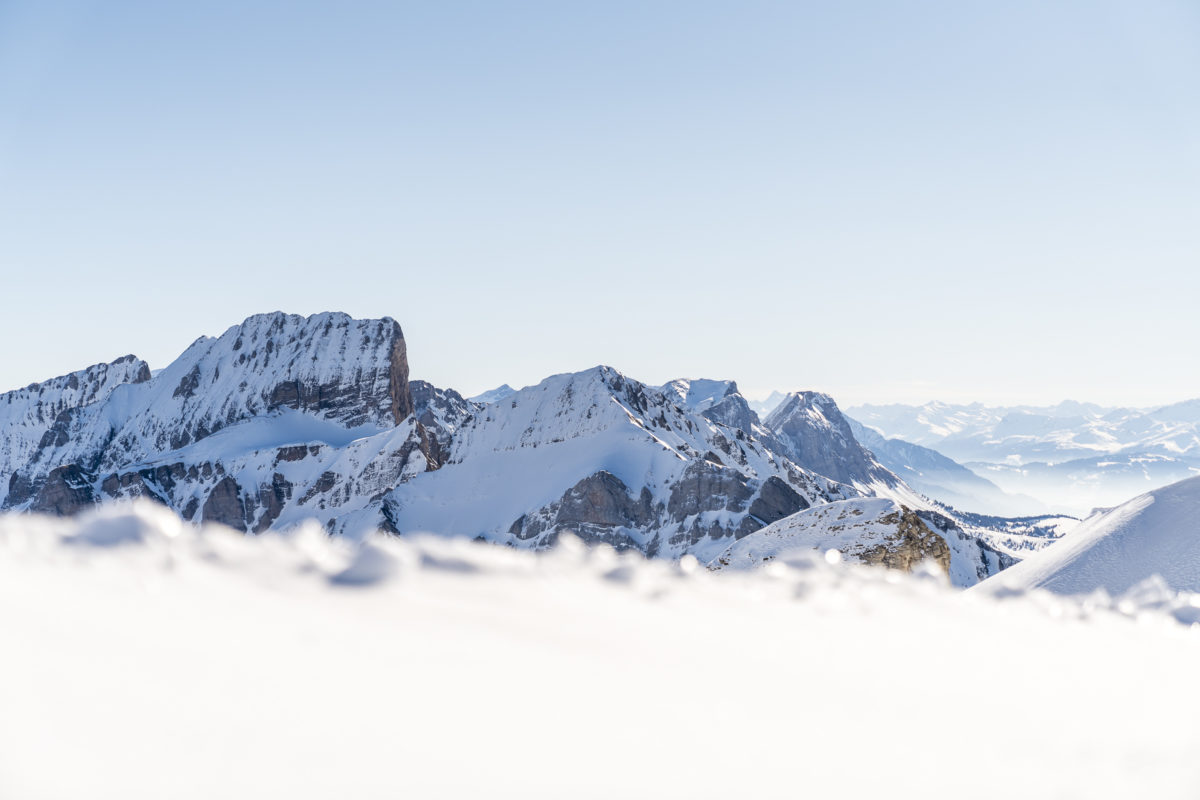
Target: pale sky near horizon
[890, 202]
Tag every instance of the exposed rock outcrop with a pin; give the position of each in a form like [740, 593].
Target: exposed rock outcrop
[810, 429]
[870, 530]
[913, 543]
[66, 490]
[224, 504]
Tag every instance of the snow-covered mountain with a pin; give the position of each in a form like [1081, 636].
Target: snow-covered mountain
[813, 431]
[493, 395]
[768, 404]
[871, 530]
[1155, 534]
[719, 401]
[1073, 456]
[283, 419]
[279, 419]
[39, 416]
[611, 459]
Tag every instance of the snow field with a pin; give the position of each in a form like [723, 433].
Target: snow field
[149, 659]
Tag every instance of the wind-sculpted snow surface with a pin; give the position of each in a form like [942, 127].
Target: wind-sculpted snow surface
[1154, 535]
[147, 658]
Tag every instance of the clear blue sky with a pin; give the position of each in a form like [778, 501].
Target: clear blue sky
[887, 201]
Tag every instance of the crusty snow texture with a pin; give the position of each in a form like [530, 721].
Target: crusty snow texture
[145, 658]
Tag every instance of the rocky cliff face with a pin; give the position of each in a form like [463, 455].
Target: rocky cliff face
[811, 430]
[280, 413]
[40, 415]
[719, 401]
[441, 411]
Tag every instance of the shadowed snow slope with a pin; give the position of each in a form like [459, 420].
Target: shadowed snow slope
[1157, 533]
[150, 659]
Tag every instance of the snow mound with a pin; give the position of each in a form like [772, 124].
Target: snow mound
[150, 659]
[1154, 534]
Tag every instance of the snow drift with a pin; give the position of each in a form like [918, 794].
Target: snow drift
[146, 658]
[1154, 534]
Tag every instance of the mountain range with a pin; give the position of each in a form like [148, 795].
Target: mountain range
[1073, 457]
[283, 419]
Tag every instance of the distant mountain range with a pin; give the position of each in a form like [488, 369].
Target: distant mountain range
[1072, 457]
[283, 419]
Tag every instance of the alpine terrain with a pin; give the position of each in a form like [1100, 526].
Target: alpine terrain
[284, 419]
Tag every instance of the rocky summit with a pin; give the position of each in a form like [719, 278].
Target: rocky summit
[283, 419]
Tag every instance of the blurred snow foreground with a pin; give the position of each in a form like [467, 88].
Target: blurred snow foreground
[145, 658]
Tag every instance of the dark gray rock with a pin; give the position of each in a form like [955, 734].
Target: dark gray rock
[811, 431]
[441, 412]
[224, 505]
[272, 497]
[775, 501]
[705, 486]
[67, 490]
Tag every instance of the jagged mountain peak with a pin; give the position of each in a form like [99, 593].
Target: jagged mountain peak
[717, 400]
[90, 382]
[329, 367]
[810, 402]
[493, 395]
[40, 414]
[814, 433]
[699, 394]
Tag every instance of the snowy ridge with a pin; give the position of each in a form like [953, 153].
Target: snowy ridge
[699, 395]
[349, 371]
[874, 530]
[303, 609]
[493, 395]
[28, 415]
[719, 401]
[1153, 536]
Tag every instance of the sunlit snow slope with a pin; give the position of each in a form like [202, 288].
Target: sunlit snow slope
[1157, 533]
